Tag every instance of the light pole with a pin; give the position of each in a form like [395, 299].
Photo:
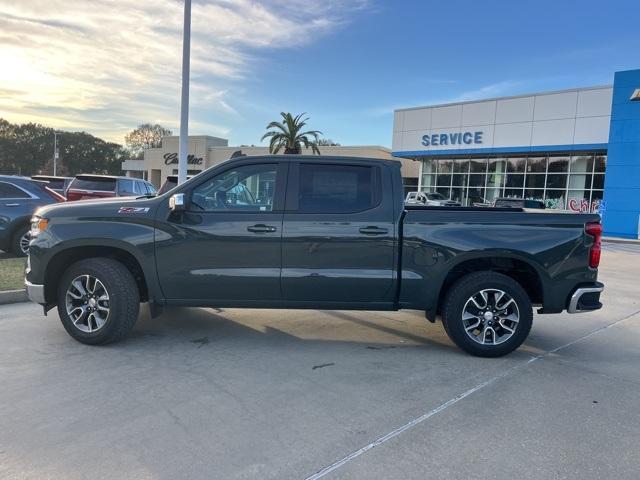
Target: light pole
[55, 153]
[184, 101]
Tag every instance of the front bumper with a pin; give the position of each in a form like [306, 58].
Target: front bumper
[586, 298]
[35, 292]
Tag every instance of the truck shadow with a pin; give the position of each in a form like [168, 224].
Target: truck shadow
[205, 328]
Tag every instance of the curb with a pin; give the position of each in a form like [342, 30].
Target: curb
[13, 296]
[629, 241]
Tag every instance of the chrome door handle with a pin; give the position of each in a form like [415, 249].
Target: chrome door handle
[11, 204]
[372, 230]
[260, 228]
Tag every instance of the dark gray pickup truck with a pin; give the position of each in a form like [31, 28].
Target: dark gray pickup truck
[311, 232]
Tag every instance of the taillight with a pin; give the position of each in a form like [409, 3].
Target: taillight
[595, 230]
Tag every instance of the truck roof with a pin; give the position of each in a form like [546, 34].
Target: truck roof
[316, 158]
[88, 176]
[50, 177]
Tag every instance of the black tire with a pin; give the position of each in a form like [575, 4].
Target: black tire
[123, 302]
[16, 240]
[461, 293]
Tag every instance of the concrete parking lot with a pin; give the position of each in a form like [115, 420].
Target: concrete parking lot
[235, 394]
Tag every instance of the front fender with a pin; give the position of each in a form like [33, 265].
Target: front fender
[63, 237]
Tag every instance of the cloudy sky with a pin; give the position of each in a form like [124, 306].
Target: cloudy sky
[105, 66]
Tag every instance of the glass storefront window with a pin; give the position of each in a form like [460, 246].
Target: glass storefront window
[443, 180]
[478, 165]
[460, 179]
[445, 166]
[562, 181]
[535, 181]
[558, 164]
[457, 194]
[582, 164]
[443, 191]
[476, 180]
[475, 195]
[461, 166]
[428, 182]
[515, 165]
[556, 180]
[580, 181]
[555, 199]
[596, 199]
[493, 193]
[428, 166]
[536, 164]
[496, 180]
[578, 200]
[598, 181]
[534, 194]
[513, 192]
[497, 165]
[516, 180]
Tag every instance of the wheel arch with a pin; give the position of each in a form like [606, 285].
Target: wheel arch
[63, 259]
[524, 271]
[16, 225]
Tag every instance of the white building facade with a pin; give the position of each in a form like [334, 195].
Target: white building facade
[548, 146]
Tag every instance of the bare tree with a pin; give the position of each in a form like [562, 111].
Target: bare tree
[145, 136]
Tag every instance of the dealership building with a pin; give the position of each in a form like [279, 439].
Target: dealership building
[576, 150]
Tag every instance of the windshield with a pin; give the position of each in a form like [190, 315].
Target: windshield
[167, 185]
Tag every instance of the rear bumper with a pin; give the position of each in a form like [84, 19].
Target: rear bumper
[35, 292]
[585, 298]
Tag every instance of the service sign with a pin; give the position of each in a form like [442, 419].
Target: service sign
[457, 138]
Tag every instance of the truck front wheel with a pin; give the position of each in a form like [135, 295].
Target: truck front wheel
[98, 301]
[487, 314]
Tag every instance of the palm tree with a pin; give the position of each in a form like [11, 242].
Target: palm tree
[288, 134]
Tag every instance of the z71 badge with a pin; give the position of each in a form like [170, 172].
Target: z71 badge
[133, 210]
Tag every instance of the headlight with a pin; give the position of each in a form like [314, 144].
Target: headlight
[38, 225]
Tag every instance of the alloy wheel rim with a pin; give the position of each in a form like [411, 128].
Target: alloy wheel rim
[490, 317]
[24, 243]
[87, 303]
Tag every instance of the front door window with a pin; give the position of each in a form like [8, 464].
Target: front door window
[249, 188]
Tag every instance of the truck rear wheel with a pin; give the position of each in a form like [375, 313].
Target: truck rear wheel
[98, 301]
[487, 314]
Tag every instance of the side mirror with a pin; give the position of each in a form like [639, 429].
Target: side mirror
[176, 202]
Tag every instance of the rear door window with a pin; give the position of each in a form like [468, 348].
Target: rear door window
[140, 188]
[96, 184]
[11, 191]
[126, 188]
[325, 188]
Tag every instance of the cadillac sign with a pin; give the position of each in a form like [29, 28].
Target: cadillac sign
[172, 158]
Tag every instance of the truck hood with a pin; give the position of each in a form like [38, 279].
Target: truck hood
[99, 207]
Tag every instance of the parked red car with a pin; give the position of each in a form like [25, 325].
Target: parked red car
[102, 186]
[58, 184]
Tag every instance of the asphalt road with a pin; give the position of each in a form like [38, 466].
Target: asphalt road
[236, 394]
